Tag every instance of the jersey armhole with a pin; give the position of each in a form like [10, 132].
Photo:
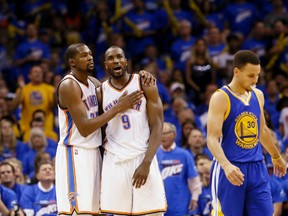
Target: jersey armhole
[228, 103]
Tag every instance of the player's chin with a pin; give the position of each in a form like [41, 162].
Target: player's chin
[249, 88]
[90, 70]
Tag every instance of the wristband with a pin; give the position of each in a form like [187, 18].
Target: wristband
[277, 158]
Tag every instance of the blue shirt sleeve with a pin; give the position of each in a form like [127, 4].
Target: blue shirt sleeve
[8, 197]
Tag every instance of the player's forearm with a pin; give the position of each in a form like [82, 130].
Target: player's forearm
[154, 142]
[217, 151]
[94, 124]
[269, 143]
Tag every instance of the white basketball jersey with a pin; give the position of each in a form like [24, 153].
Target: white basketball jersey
[127, 133]
[69, 134]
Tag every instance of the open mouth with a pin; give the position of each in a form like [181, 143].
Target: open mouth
[91, 65]
[117, 69]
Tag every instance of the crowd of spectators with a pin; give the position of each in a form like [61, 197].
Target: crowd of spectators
[188, 45]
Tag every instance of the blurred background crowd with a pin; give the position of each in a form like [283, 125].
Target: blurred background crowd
[188, 45]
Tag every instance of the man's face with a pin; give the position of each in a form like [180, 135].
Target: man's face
[6, 174]
[248, 76]
[83, 61]
[168, 137]
[46, 172]
[36, 75]
[201, 165]
[115, 62]
[37, 141]
[196, 141]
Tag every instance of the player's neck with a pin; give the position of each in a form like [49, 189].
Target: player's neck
[82, 77]
[236, 89]
[120, 82]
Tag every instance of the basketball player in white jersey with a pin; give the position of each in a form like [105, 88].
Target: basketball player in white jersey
[78, 160]
[131, 183]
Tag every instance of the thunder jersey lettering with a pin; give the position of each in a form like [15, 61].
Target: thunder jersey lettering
[127, 133]
[241, 128]
[69, 134]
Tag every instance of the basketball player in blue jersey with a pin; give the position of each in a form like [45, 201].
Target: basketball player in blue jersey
[131, 183]
[236, 128]
[78, 160]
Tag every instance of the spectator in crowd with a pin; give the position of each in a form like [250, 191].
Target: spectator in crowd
[197, 145]
[186, 128]
[30, 53]
[202, 109]
[40, 198]
[33, 96]
[8, 179]
[17, 164]
[10, 145]
[223, 61]
[139, 28]
[271, 100]
[37, 143]
[8, 200]
[215, 43]
[203, 165]
[257, 41]
[39, 122]
[181, 180]
[181, 48]
[39, 158]
[200, 70]
[278, 11]
[283, 120]
[277, 191]
[240, 8]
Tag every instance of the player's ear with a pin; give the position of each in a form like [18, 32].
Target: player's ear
[236, 71]
[71, 62]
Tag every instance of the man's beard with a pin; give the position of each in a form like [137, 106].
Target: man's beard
[90, 71]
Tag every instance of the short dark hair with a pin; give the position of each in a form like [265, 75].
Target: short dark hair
[38, 119]
[71, 51]
[5, 163]
[8, 118]
[114, 47]
[244, 57]
[38, 111]
[200, 156]
[41, 163]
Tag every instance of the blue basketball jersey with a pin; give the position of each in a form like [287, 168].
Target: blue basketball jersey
[241, 128]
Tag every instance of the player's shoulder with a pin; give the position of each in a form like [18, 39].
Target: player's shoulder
[258, 92]
[219, 96]
[96, 82]
[67, 81]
